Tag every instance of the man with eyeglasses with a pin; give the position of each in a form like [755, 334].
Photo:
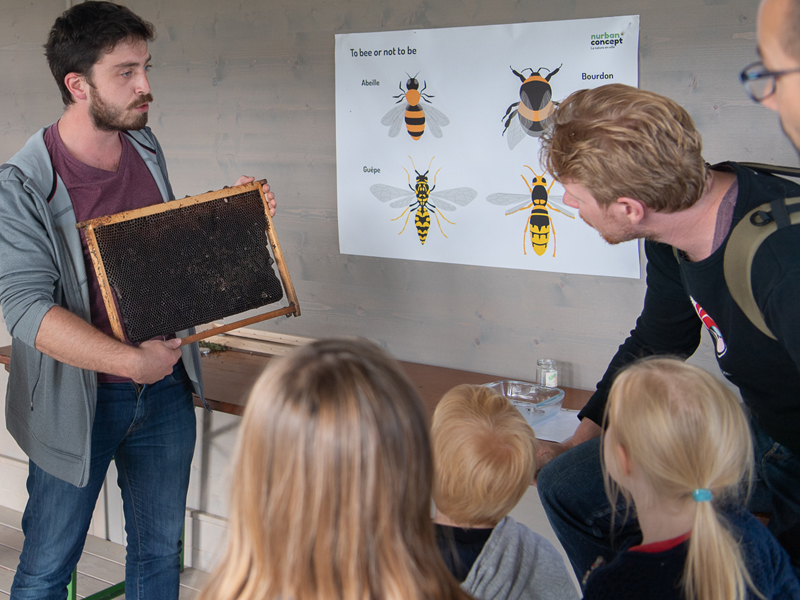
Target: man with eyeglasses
[774, 81]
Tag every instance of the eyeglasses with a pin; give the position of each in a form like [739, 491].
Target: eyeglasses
[759, 82]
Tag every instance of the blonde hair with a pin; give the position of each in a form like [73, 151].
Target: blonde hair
[483, 454]
[618, 141]
[685, 430]
[332, 485]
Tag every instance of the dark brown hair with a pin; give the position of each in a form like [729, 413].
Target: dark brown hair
[86, 30]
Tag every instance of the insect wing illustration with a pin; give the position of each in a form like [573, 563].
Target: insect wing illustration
[534, 111]
[425, 199]
[539, 225]
[411, 110]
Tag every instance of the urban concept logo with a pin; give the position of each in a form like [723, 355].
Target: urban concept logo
[606, 41]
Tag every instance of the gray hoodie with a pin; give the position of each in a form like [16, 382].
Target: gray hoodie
[49, 405]
[518, 564]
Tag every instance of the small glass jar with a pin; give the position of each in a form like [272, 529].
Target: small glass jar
[546, 372]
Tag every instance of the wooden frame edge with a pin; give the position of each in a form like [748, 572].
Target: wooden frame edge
[280, 260]
[172, 205]
[105, 287]
[286, 310]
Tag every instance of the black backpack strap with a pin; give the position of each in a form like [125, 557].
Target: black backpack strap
[743, 243]
[772, 169]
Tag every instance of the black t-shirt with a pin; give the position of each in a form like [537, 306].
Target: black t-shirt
[460, 548]
[683, 296]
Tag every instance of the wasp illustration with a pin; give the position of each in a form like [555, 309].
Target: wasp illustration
[535, 107]
[539, 224]
[422, 195]
[415, 115]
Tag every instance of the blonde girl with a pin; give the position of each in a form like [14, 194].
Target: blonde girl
[332, 485]
[678, 447]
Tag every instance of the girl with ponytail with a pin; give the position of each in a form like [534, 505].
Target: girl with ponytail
[677, 446]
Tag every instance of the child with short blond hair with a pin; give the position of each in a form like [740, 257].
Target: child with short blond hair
[484, 461]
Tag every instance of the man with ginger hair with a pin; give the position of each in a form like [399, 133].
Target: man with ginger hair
[631, 163]
[484, 461]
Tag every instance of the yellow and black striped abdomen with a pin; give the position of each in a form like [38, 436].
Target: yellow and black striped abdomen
[423, 222]
[415, 121]
[540, 228]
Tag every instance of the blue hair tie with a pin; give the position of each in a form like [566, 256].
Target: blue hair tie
[702, 495]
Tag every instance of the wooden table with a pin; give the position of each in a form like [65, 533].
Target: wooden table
[228, 377]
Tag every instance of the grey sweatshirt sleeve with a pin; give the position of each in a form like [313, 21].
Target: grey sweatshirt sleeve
[28, 272]
[518, 564]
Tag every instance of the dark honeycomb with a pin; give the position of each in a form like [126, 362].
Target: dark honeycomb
[190, 265]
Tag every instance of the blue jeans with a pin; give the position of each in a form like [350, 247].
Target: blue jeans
[150, 432]
[575, 501]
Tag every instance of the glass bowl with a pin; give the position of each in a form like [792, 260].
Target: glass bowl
[535, 402]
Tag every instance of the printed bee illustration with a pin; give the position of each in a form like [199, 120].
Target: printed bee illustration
[539, 225]
[535, 108]
[422, 196]
[415, 115]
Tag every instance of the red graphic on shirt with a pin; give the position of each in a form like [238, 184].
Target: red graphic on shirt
[719, 342]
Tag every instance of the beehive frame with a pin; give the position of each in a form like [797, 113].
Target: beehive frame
[196, 205]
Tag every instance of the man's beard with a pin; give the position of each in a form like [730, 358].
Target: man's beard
[623, 234]
[110, 118]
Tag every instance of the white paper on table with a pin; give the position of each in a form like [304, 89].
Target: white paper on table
[559, 428]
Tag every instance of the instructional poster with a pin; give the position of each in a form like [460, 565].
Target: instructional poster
[438, 136]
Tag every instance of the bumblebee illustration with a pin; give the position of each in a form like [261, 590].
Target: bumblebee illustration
[415, 115]
[535, 108]
[422, 195]
[539, 225]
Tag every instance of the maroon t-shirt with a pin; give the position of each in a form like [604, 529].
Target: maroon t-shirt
[725, 215]
[97, 193]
